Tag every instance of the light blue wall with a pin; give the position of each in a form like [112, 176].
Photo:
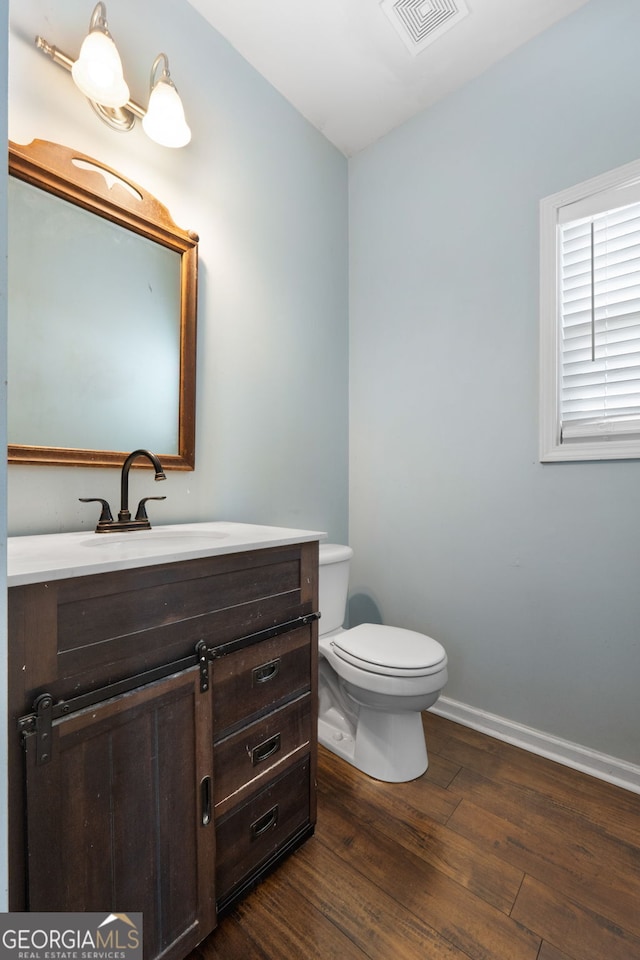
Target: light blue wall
[528, 574]
[267, 195]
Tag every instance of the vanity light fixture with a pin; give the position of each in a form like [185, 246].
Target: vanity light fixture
[98, 75]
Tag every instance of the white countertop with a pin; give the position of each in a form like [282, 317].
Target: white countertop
[56, 556]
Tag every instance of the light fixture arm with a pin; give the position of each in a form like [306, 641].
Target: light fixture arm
[165, 75]
[99, 18]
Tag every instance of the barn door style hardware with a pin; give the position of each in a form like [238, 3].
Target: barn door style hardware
[44, 712]
[39, 723]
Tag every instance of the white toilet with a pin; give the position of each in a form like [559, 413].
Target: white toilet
[374, 681]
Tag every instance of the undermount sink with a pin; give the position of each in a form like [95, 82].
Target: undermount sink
[152, 538]
[151, 543]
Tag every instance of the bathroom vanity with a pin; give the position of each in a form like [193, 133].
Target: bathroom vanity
[162, 712]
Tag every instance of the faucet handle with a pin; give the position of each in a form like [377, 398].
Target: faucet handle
[105, 516]
[141, 512]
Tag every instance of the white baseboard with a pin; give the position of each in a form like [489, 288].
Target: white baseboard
[619, 772]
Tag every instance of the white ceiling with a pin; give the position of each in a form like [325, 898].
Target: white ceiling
[345, 67]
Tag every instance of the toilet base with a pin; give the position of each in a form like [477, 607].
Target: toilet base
[386, 746]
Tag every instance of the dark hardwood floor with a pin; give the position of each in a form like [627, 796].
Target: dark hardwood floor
[494, 854]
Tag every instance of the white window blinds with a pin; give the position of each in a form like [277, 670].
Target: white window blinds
[599, 313]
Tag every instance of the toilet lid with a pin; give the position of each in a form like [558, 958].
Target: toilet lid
[390, 650]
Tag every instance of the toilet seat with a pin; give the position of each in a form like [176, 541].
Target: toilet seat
[389, 651]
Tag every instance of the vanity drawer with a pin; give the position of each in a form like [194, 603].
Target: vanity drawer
[251, 835]
[247, 758]
[254, 680]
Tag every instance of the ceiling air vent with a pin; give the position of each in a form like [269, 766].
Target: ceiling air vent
[420, 22]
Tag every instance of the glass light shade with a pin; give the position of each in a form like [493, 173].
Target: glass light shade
[98, 71]
[164, 121]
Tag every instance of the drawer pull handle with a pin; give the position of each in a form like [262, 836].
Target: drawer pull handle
[265, 672]
[205, 801]
[266, 822]
[265, 750]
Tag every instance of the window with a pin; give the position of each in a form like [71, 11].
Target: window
[590, 319]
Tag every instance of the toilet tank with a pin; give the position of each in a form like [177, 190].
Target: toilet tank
[333, 585]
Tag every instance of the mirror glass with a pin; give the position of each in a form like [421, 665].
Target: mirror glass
[102, 302]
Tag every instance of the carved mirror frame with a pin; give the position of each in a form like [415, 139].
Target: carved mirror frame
[50, 167]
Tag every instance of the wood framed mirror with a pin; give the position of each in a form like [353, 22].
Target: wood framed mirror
[102, 304]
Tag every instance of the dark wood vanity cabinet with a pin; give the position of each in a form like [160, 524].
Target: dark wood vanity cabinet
[163, 753]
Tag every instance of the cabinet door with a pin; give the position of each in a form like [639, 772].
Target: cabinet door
[120, 818]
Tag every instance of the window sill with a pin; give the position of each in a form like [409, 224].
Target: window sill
[595, 450]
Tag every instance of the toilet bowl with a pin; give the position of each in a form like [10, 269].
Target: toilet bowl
[374, 682]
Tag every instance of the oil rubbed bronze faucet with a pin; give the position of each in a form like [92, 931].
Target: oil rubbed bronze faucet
[106, 523]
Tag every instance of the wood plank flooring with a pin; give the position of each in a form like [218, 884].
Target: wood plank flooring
[494, 854]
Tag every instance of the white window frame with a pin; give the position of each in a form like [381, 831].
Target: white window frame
[551, 447]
